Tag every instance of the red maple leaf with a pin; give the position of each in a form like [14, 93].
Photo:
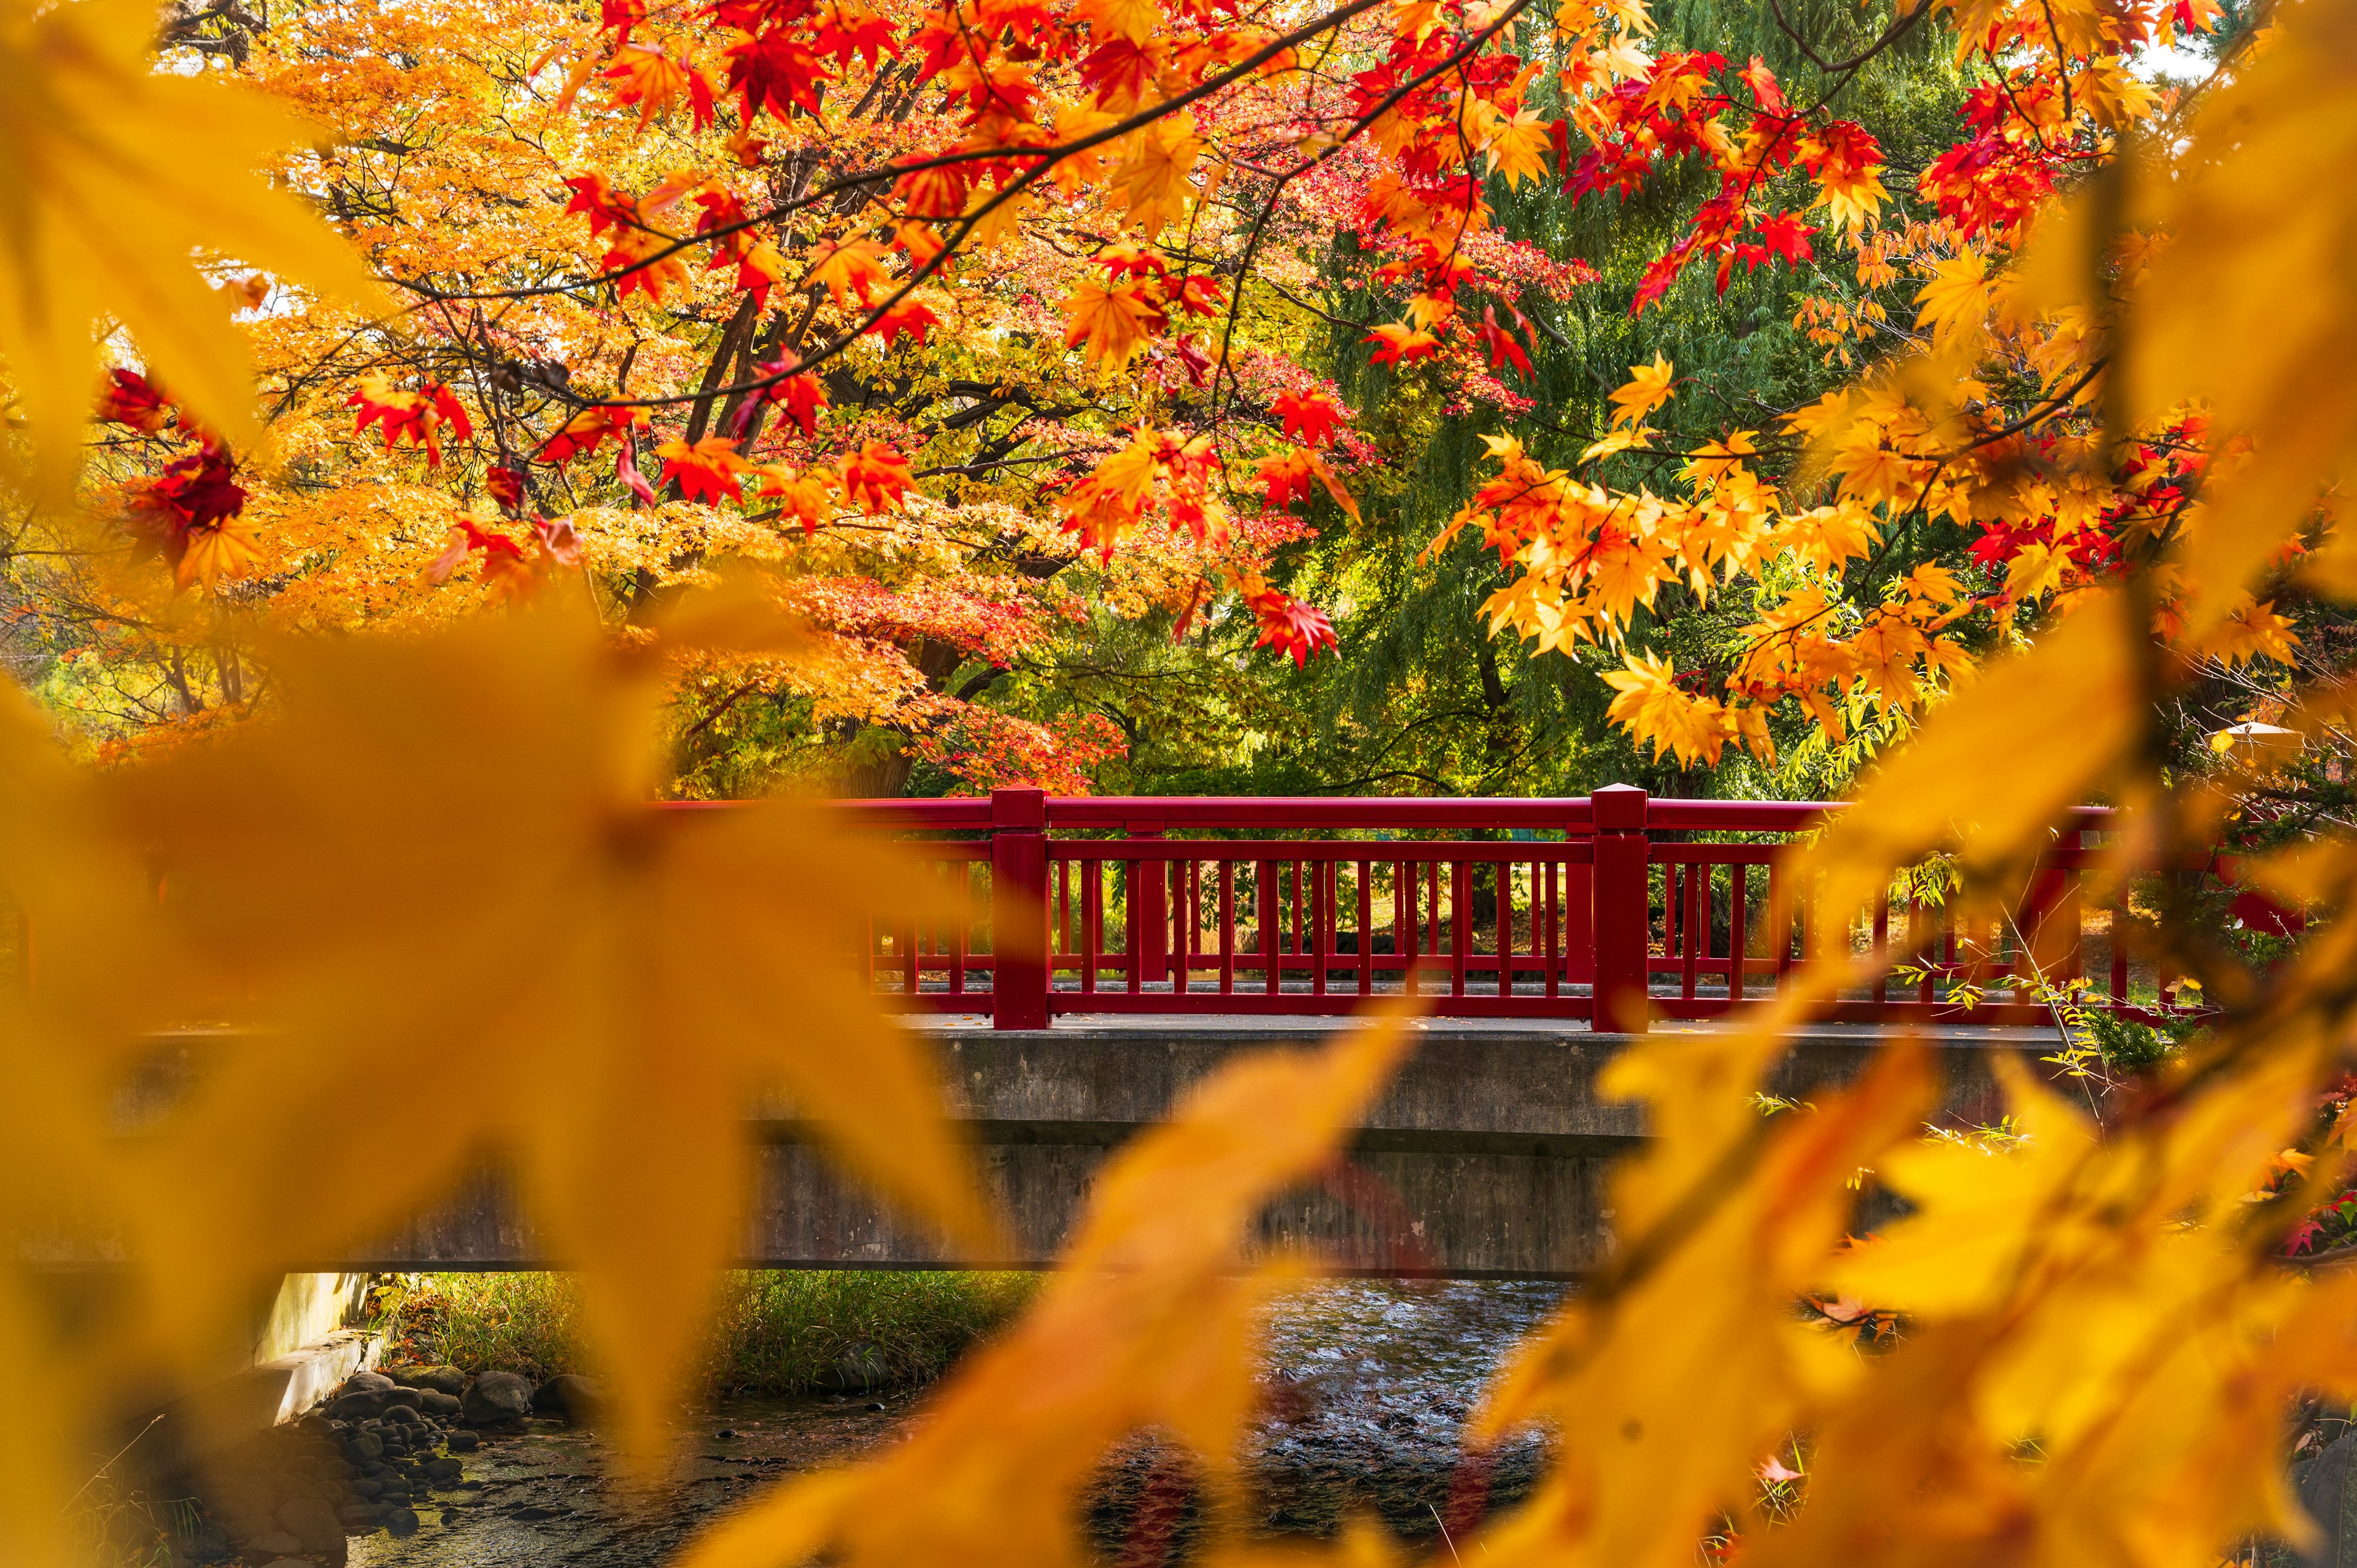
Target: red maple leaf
[1311, 417]
[909, 316]
[1291, 627]
[1500, 343]
[1785, 235]
[129, 398]
[775, 72]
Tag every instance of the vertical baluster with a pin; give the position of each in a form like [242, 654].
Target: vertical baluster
[1881, 939]
[1461, 922]
[1271, 924]
[1137, 923]
[1092, 918]
[1063, 915]
[1321, 905]
[2119, 954]
[1739, 890]
[1403, 922]
[1780, 921]
[1697, 922]
[1550, 949]
[1432, 906]
[1919, 928]
[961, 922]
[1503, 874]
[1301, 914]
[1227, 927]
[1366, 927]
[1671, 912]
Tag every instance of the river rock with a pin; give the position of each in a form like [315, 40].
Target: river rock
[314, 1524]
[495, 1398]
[465, 1441]
[358, 1405]
[572, 1396]
[433, 1401]
[273, 1543]
[857, 1369]
[401, 1521]
[443, 1380]
[367, 1382]
[2328, 1490]
[440, 1473]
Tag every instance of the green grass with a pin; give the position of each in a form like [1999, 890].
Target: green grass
[773, 1332]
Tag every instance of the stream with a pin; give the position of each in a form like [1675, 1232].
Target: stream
[1371, 1382]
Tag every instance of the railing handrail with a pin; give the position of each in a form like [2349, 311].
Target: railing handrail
[1166, 813]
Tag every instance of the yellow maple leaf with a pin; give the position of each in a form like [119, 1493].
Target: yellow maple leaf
[1150, 181]
[121, 172]
[1956, 300]
[1647, 389]
[848, 267]
[1111, 322]
[603, 973]
[1149, 1321]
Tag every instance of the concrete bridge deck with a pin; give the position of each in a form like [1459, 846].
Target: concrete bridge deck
[1485, 1159]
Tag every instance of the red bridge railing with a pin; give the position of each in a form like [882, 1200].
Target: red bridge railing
[1615, 908]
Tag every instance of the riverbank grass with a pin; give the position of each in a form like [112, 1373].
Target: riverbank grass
[773, 1332]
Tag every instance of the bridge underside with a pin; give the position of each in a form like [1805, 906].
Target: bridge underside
[1486, 1159]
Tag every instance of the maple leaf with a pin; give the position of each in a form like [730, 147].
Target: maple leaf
[1785, 235]
[1647, 389]
[807, 496]
[506, 486]
[847, 267]
[1518, 147]
[909, 319]
[775, 70]
[938, 191]
[655, 82]
[1112, 323]
[876, 478]
[802, 395]
[1764, 89]
[705, 471]
[126, 397]
[761, 265]
[586, 430]
[846, 29]
[594, 198]
[1285, 477]
[1149, 1323]
[1150, 181]
[1399, 343]
[653, 935]
[123, 172]
[417, 416]
[1503, 347]
[1310, 417]
[1956, 300]
[1293, 629]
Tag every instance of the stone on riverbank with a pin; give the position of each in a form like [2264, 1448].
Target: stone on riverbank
[495, 1398]
[445, 1380]
[575, 1398]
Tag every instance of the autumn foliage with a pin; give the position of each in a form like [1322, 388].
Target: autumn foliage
[630, 374]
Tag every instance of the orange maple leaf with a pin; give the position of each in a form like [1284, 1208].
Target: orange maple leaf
[705, 471]
[876, 477]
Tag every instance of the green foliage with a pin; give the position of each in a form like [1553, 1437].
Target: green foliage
[773, 1332]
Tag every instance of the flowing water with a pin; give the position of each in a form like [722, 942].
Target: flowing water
[1369, 1385]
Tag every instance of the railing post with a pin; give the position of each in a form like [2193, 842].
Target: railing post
[1018, 909]
[1149, 911]
[1620, 922]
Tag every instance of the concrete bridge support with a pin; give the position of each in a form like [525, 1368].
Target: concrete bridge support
[1486, 1158]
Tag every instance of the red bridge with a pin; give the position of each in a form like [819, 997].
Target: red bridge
[1615, 908]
